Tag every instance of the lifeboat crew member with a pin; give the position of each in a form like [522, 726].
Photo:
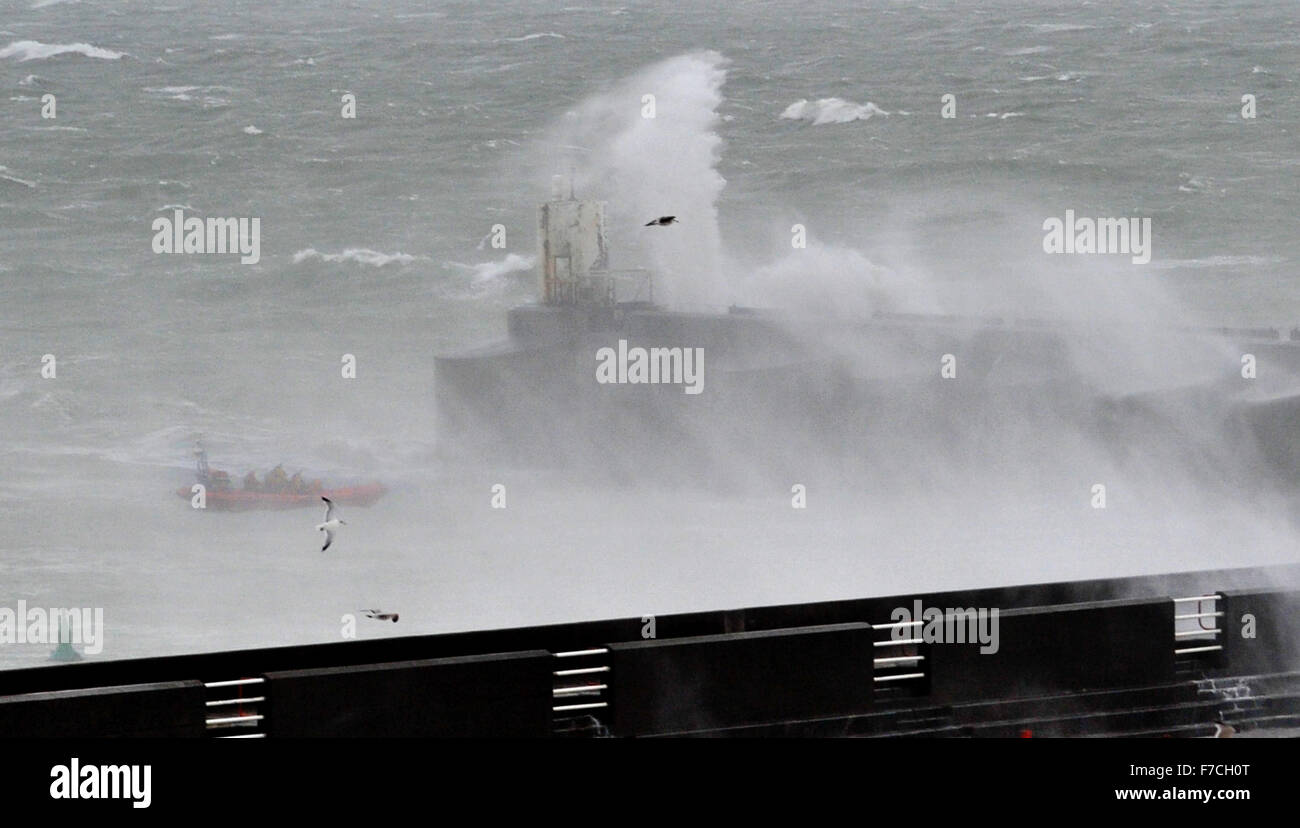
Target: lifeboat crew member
[277, 480]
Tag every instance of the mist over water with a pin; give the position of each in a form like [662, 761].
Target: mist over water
[372, 246]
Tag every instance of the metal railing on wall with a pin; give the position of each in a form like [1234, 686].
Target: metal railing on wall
[898, 658]
[580, 692]
[1196, 626]
[234, 708]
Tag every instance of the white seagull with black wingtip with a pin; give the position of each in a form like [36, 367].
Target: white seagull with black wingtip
[1223, 730]
[331, 524]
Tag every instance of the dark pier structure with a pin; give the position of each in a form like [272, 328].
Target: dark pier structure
[1151, 656]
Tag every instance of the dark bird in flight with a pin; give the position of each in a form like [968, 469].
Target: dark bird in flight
[380, 615]
[662, 221]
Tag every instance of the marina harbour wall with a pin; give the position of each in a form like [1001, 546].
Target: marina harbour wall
[814, 394]
[1090, 653]
[1062, 648]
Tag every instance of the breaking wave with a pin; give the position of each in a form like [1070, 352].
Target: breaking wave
[4, 177]
[359, 255]
[491, 271]
[533, 36]
[831, 111]
[646, 167]
[26, 50]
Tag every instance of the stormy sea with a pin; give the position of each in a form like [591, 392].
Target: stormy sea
[394, 156]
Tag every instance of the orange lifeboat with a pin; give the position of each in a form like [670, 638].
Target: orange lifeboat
[235, 500]
[284, 494]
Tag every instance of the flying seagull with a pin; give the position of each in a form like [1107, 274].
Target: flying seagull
[662, 221]
[331, 523]
[380, 615]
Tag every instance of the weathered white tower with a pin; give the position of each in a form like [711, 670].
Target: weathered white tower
[571, 248]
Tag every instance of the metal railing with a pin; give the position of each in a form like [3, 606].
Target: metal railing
[1196, 622]
[899, 659]
[582, 679]
[233, 708]
[580, 692]
[601, 287]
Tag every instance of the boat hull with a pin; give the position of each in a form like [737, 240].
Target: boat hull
[238, 500]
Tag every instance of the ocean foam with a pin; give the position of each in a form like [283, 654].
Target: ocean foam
[492, 271]
[5, 177]
[1055, 28]
[26, 50]
[831, 111]
[533, 36]
[360, 255]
